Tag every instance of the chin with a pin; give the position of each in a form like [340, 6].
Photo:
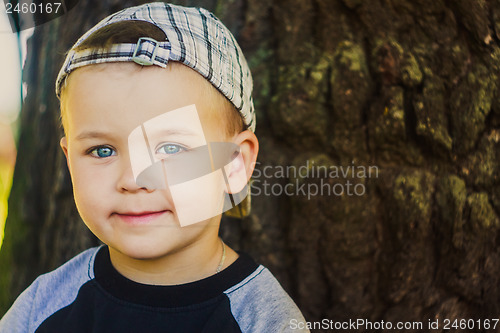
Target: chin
[143, 250]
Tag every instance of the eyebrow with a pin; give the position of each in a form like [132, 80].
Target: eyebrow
[172, 131]
[151, 133]
[92, 135]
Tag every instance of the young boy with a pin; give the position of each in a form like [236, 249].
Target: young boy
[158, 119]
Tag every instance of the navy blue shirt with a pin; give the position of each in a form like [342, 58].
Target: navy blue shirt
[87, 294]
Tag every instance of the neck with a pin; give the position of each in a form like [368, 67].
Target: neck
[191, 263]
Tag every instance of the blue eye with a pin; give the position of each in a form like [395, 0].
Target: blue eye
[170, 149]
[102, 152]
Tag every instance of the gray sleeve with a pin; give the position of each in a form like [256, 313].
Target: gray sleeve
[48, 293]
[260, 304]
[16, 320]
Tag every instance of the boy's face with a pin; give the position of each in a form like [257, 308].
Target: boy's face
[107, 109]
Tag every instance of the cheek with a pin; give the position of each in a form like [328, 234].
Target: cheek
[205, 193]
[90, 188]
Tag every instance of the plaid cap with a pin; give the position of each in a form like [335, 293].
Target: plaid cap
[195, 38]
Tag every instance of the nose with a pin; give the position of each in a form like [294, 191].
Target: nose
[154, 176]
[126, 182]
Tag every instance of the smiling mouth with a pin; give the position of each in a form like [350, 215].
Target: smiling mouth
[141, 217]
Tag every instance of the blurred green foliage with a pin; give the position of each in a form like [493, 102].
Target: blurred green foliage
[5, 184]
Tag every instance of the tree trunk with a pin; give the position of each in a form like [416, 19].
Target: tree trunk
[377, 193]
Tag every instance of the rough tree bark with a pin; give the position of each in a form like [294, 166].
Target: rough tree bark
[410, 87]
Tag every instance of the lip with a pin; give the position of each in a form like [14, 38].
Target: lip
[138, 218]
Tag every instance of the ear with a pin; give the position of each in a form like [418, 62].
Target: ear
[241, 168]
[64, 145]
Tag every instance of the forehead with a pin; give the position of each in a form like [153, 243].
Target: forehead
[121, 96]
